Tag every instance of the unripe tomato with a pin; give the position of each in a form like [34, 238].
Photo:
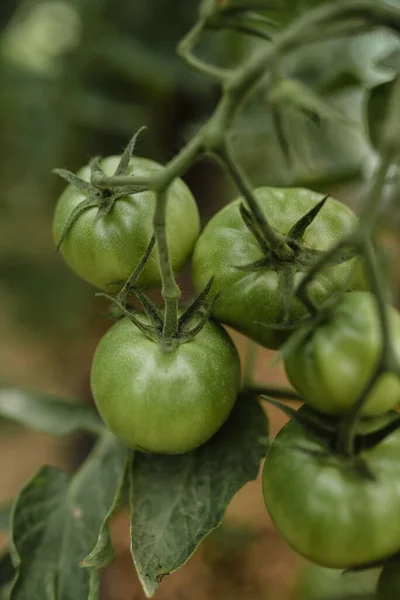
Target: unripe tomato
[103, 248]
[331, 366]
[250, 298]
[160, 401]
[327, 509]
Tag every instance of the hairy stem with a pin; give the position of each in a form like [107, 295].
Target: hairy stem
[184, 50]
[170, 290]
[276, 241]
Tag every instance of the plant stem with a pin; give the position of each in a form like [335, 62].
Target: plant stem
[212, 138]
[170, 290]
[184, 50]
[276, 241]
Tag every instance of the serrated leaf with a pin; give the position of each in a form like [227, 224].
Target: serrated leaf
[177, 500]
[55, 523]
[57, 416]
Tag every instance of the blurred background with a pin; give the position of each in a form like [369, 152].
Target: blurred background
[77, 78]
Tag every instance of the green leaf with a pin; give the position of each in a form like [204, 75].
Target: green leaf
[57, 416]
[55, 523]
[177, 500]
[376, 111]
[291, 93]
[103, 553]
[7, 573]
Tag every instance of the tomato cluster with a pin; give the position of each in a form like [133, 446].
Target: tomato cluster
[335, 508]
[346, 514]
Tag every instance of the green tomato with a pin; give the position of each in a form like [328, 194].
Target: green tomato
[326, 509]
[103, 248]
[389, 581]
[160, 401]
[331, 365]
[250, 297]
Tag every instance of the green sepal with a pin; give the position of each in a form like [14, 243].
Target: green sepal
[84, 186]
[195, 306]
[129, 286]
[188, 335]
[150, 309]
[123, 166]
[151, 332]
[76, 213]
[299, 228]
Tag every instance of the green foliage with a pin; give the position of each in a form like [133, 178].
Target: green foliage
[56, 521]
[177, 500]
[79, 77]
[48, 413]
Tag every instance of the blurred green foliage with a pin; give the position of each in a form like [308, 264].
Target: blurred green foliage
[79, 76]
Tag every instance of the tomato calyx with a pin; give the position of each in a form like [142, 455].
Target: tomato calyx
[302, 258]
[101, 198]
[369, 432]
[190, 322]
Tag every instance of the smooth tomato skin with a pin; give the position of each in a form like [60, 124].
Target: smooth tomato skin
[164, 402]
[248, 298]
[323, 507]
[104, 248]
[389, 581]
[332, 366]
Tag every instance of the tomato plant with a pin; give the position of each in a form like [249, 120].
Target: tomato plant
[107, 239]
[178, 430]
[160, 401]
[251, 280]
[332, 364]
[324, 504]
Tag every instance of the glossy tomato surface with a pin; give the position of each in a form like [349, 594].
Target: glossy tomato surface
[160, 401]
[333, 364]
[105, 248]
[250, 297]
[326, 507]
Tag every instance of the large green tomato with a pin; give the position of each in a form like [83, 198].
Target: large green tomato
[106, 247]
[389, 581]
[327, 510]
[160, 401]
[250, 297]
[331, 366]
